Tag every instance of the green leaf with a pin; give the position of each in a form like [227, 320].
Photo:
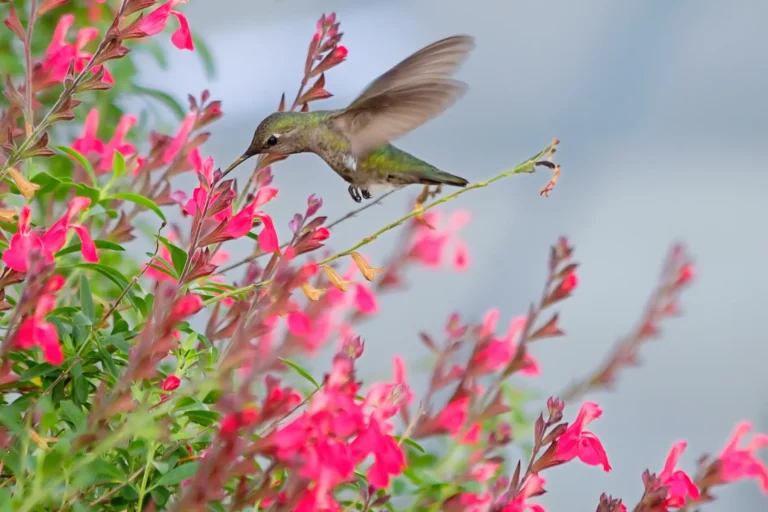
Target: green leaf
[5, 501]
[11, 418]
[410, 442]
[301, 371]
[205, 56]
[81, 189]
[37, 371]
[86, 299]
[139, 200]
[118, 164]
[100, 244]
[73, 413]
[46, 181]
[82, 389]
[204, 418]
[178, 474]
[110, 273]
[81, 160]
[178, 255]
[163, 97]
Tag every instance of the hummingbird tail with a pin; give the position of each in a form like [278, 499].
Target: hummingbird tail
[442, 178]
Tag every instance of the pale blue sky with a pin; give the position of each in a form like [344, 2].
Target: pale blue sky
[661, 110]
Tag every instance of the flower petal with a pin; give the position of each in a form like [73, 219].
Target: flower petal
[182, 38]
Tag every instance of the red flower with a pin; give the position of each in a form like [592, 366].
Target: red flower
[155, 22]
[498, 352]
[241, 224]
[577, 442]
[534, 485]
[170, 383]
[185, 307]
[88, 143]
[569, 283]
[22, 244]
[679, 484]
[314, 332]
[34, 330]
[388, 457]
[737, 463]
[59, 53]
[55, 238]
[453, 417]
[320, 234]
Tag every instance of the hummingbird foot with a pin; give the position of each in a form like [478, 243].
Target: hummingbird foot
[355, 193]
[366, 194]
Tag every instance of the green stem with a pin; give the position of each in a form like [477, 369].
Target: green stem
[145, 480]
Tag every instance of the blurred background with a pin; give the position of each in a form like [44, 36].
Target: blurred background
[660, 107]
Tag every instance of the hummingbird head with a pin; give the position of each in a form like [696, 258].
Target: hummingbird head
[279, 133]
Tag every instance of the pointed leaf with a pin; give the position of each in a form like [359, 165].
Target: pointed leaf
[81, 159]
[178, 474]
[301, 371]
[86, 299]
[139, 200]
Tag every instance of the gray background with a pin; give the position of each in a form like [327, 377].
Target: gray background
[661, 110]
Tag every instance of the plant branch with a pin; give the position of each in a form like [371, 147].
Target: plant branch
[65, 95]
[526, 167]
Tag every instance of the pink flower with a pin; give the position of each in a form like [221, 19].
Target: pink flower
[534, 485]
[34, 330]
[499, 352]
[471, 502]
[279, 400]
[737, 463]
[388, 457]
[55, 238]
[453, 417]
[59, 53]
[484, 471]
[240, 225]
[359, 295]
[385, 400]
[430, 246]
[186, 306]
[88, 143]
[22, 244]
[569, 282]
[180, 139]
[314, 332]
[155, 22]
[577, 442]
[679, 484]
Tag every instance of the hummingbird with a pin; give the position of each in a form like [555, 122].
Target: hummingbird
[355, 141]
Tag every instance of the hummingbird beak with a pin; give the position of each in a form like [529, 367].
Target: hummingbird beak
[237, 162]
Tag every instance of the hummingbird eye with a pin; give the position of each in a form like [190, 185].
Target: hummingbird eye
[272, 140]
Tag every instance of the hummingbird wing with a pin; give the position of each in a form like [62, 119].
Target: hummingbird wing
[405, 97]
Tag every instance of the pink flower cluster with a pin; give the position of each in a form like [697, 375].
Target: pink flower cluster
[337, 433]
